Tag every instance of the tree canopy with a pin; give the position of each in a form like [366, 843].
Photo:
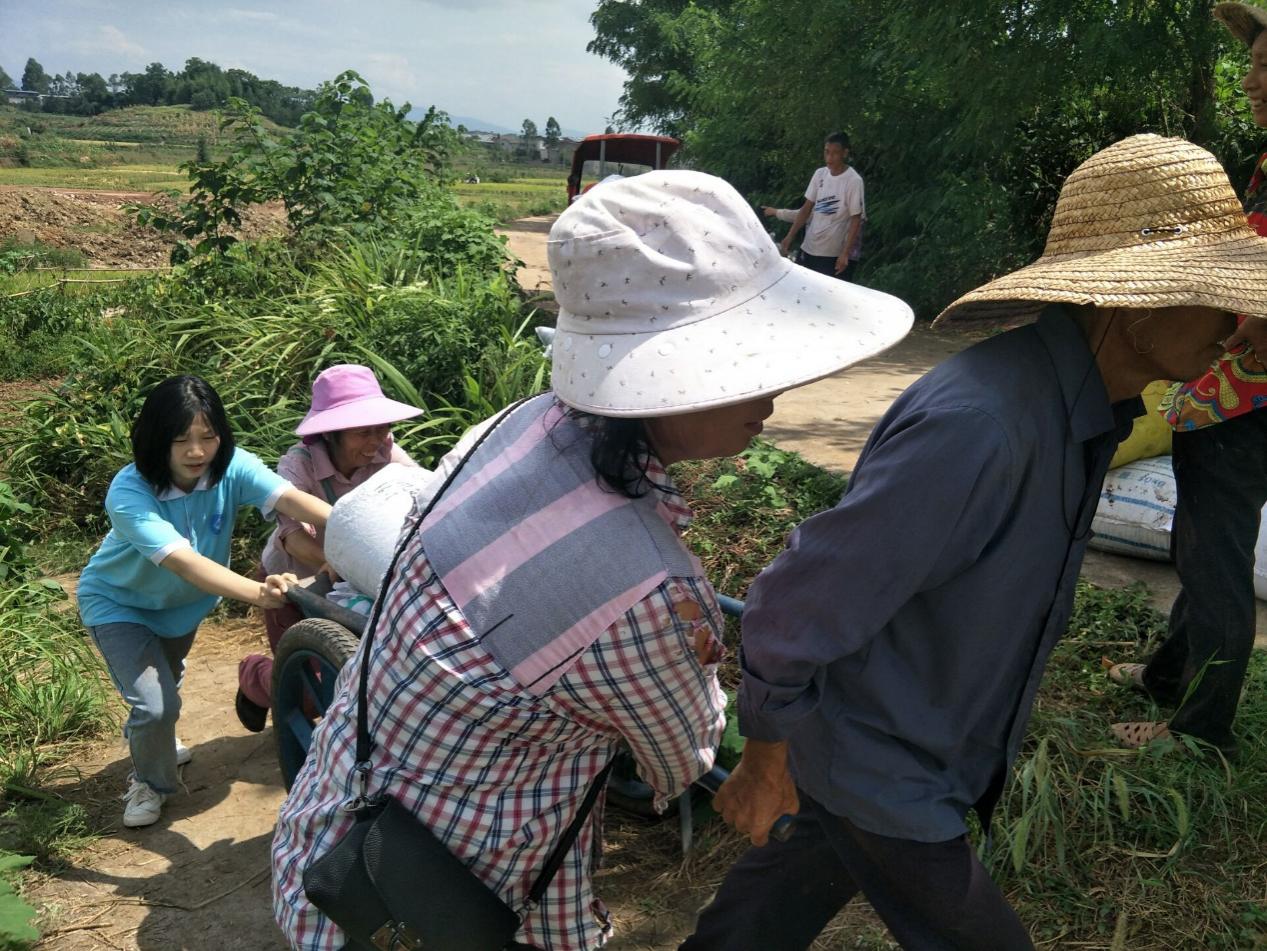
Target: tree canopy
[34, 79]
[965, 116]
[200, 84]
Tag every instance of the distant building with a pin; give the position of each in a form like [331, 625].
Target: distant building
[533, 149]
[15, 97]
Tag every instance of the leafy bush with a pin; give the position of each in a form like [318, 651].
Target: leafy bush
[14, 533]
[18, 256]
[353, 167]
[16, 916]
[259, 323]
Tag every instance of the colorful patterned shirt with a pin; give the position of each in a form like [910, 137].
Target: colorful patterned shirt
[1238, 383]
[498, 772]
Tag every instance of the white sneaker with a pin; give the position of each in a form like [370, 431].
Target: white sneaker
[183, 753]
[144, 805]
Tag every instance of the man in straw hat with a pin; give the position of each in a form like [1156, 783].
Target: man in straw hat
[891, 655]
[1221, 477]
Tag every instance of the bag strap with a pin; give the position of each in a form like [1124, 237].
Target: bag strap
[564, 845]
[365, 745]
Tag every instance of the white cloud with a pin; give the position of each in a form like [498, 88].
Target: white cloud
[393, 73]
[110, 39]
[263, 16]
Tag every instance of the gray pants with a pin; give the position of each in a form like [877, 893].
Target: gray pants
[147, 671]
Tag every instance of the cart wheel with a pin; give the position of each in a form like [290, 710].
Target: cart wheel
[306, 665]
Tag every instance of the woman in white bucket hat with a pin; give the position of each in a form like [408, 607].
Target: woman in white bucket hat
[542, 611]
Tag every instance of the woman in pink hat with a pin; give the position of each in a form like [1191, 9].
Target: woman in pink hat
[347, 437]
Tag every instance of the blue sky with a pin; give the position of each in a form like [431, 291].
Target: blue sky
[499, 60]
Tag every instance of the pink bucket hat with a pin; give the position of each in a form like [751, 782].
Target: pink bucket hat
[347, 396]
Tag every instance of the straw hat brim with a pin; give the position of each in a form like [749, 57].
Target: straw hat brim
[1230, 274]
[1242, 20]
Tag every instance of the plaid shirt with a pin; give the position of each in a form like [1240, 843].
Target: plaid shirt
[493, 771]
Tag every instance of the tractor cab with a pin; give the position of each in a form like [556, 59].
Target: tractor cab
[617, 154]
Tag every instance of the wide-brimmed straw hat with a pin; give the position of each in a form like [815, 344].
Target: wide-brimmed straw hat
[1146, 222]
[1243, 20]
[673, 299]
[347, 396]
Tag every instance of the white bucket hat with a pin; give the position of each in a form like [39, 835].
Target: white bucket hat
[673, 299]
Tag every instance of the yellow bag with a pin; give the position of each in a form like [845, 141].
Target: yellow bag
[1151, 435]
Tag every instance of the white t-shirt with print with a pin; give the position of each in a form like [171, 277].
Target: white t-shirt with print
[836, 198]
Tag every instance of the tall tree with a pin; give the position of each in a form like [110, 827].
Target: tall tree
[34, 79]
[6, 81]
[553, 133]
[965, 115]
[529, 130]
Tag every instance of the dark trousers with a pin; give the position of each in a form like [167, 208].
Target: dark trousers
[1221, 477]
[933, 896]
[825, 264]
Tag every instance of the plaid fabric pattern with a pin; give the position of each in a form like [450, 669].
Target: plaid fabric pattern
[496, 772]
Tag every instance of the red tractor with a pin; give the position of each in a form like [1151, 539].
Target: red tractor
[617, 154]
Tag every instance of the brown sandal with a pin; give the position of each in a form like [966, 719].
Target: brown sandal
[1128, 675]
[1139, 734]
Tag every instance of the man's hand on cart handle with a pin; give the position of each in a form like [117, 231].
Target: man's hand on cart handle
[760, 794]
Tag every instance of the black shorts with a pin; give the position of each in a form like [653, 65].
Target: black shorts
[824, 264]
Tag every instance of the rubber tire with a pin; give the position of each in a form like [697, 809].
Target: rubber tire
[331, 646]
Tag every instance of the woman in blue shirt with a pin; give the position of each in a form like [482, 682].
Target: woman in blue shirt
[164, 566]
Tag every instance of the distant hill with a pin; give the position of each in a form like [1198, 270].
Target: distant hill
[480, 125]
[476, 124]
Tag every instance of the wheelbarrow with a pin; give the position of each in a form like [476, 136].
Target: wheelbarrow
[306, 666]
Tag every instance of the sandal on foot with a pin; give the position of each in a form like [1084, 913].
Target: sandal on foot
[1128, 675]
[1139, 734]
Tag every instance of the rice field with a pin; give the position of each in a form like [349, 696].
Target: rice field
[121, 177]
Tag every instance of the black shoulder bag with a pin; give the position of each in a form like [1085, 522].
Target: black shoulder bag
[389, 883]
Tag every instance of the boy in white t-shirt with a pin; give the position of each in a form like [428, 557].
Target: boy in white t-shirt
[835, 207]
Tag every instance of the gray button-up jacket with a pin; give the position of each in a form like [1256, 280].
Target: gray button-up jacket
[899, 640]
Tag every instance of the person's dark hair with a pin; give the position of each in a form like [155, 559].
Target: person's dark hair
[838, 138]
[619, 453]
[168, 412]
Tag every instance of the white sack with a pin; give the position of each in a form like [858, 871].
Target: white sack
[365, 524]
[1137, 510]
[1260, 559]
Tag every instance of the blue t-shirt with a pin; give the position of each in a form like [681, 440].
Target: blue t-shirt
[124, 581]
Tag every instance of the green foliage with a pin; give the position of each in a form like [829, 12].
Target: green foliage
[965, 116]
[15, 532]
[746, 506]
[18, 256]
[1159, 845]
[52, 685]
[16, 916]
[259, 323]
[353, 167]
